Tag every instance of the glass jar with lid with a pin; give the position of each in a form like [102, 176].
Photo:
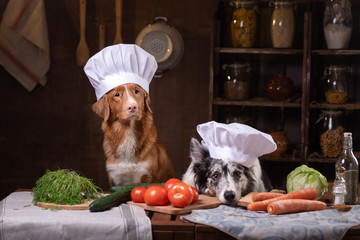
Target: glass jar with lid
[243, 23]
[282, 23]
[336, 80]
[331, 132]
[237, 81]
[337, 24]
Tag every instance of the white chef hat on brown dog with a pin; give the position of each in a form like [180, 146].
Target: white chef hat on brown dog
[237, 142]
[120, 64]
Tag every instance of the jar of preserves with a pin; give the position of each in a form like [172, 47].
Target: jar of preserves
[237, 81]
[331, 132]
[336, 80]
[280, 88]
[243, 23]
[337, 24]
[282, 24]
[282, 143]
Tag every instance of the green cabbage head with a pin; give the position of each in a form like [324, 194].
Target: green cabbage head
[305, 177]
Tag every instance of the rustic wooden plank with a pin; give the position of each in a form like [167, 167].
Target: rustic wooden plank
[157, 216]
[204, 202]
[172, 226]
[213, 236]
[349, 106]
[257, 102]
[162, 235]
[336, 52]
[170, 235]
[259, 50]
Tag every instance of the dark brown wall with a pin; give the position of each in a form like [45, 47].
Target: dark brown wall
[54, 127]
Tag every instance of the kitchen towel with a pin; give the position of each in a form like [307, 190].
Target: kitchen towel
[24, 42]
[244, 224]
[20, 219]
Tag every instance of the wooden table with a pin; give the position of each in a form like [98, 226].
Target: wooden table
[171, 227]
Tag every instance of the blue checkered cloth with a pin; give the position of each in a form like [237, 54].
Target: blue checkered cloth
[244, 224]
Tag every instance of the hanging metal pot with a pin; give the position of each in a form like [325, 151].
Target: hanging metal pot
[164, 42]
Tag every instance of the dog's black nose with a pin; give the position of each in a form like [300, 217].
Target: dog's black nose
[229, 196]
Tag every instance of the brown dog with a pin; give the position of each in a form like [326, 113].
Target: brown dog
[132, 148]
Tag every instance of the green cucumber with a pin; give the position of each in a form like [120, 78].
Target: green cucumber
[121, 195]
[115, 188]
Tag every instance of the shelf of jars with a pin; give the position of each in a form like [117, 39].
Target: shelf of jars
[334, 102]
[310, 56]
[266, 62]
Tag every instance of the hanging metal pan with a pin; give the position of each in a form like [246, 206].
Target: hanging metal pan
[164, 42]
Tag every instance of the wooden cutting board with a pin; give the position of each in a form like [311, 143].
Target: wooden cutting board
[83, 206]
[204, 202]
[245, 201]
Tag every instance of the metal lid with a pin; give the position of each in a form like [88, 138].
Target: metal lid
[287, 3]
[335, 68]
[237, 66]
[241, 3]
[332, 112]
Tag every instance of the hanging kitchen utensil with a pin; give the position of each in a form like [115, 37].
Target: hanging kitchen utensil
[82, 50]
[101, 36]
[164, 42]
[118, 10]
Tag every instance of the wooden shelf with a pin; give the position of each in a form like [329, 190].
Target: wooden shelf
[256, 102]
[322, 160]
[347, 106]
[280, 159]
[336, 52]
[304, 64]
[259, 51]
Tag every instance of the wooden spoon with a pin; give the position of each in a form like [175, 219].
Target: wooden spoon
[101, 36]
[82, 50]
[118, 9]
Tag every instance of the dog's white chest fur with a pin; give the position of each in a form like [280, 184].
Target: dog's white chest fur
[126, 151]
[127, 170]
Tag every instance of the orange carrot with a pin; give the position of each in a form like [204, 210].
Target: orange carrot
[260, 196]
[309, 193]
[294, 206]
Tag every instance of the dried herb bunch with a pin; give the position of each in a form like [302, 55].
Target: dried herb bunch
[64, 186]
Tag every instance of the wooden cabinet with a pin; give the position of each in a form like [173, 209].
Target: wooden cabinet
[304, 64]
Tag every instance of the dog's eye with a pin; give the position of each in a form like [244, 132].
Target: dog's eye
[237, 173]
[136, 91]
[117, 94]
[216, 175]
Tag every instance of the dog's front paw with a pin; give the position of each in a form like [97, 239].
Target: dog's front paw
[146, 178]
[209, 192]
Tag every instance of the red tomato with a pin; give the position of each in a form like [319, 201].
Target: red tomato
[155, 185]
[156, 196]
[180, 195]
[170, 182]
[137, 194]
[196, 195]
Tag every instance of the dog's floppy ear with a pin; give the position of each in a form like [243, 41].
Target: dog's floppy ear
[198, 152]
[200, 161]
[147, 102]
[102, 108]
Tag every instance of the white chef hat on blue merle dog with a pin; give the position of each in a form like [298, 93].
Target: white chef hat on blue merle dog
[237, 142]
[120, 64]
